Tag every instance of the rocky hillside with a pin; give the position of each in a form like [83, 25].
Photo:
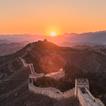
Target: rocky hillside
[87, 62]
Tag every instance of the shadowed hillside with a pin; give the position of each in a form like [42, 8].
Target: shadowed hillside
[47, 57]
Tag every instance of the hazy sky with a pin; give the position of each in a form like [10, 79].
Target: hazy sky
[40, 16]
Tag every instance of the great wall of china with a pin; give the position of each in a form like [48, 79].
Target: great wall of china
[81, 90]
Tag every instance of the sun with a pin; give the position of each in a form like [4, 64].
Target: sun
[53, 34]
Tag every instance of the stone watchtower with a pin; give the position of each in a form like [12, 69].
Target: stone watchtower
[81, 83]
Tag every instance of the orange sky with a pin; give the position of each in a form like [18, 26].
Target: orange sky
[42, 16]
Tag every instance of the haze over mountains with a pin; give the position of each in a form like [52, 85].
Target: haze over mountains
[89, 37]
[96, 38]
[12, 43]
[10, 46]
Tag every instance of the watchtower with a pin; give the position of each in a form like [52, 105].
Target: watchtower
[81, 83]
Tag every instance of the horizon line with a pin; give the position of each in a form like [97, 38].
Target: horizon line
[36, 33]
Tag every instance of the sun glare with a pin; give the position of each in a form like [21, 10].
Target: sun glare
[53, 34]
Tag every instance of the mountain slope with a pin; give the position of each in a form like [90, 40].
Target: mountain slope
[48, 57]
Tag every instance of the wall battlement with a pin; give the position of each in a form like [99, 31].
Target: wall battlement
[81, 89]
[84, 95]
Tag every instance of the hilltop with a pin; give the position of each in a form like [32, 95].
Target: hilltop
[87, 62]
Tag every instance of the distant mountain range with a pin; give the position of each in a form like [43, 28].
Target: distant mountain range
[98, 38]
[7, 48]
[12, 43]
[90, 38]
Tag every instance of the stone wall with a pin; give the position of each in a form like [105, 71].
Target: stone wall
[86, 98]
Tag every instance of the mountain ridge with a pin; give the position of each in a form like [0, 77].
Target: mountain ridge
[48, 57]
